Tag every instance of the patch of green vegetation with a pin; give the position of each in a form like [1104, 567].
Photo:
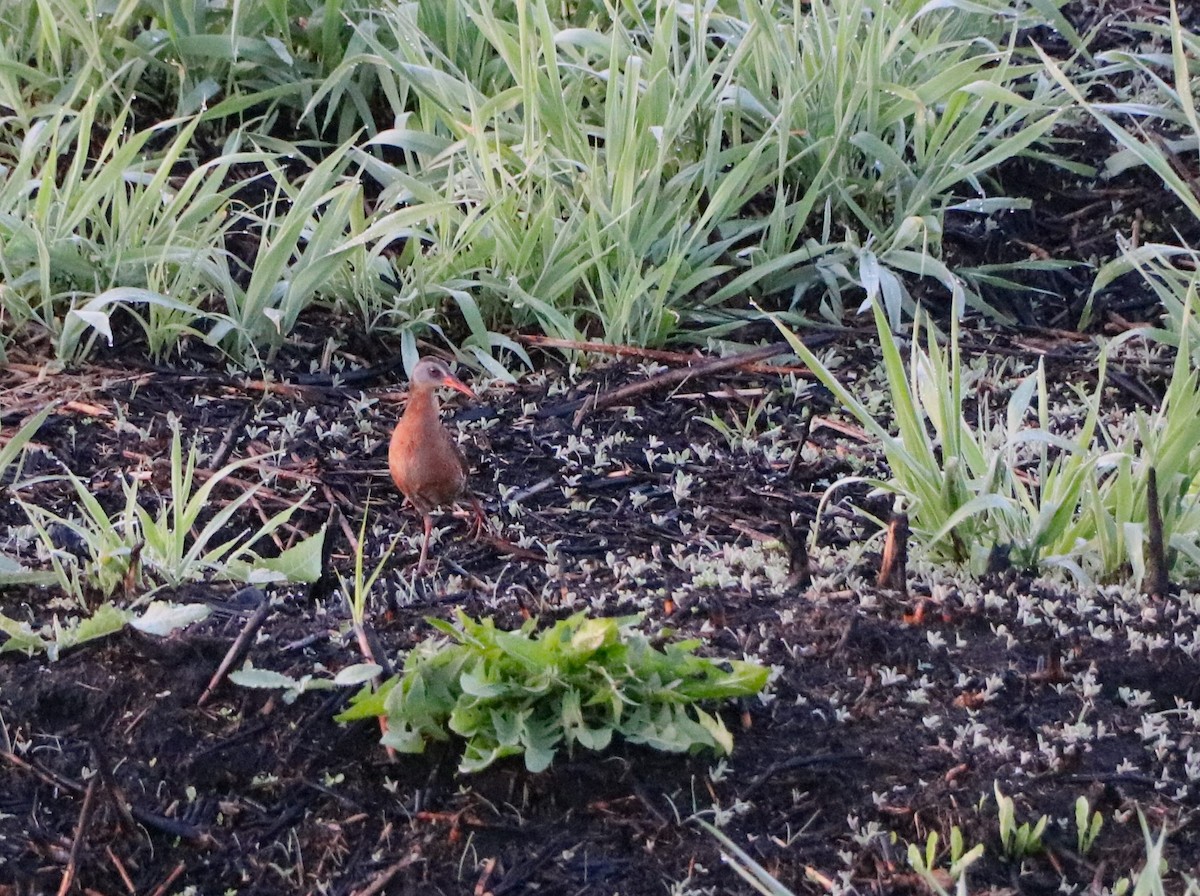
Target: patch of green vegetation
[925, 863]
[1150, 86]
[635, 171]
[156, 618]
[581, 681]
[1079, 502]
[1152, 879]
[135, 549]
[97, 556]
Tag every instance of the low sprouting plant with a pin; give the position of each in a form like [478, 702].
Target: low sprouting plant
[292, 687]
[581, 681]
[946, 477]
[1086, 829]
[178, 553]
[100, 553]
[925, 863]
[15, 444]
[1017, 842]
[169, 547]
[740, 434]
[358, 589]
[156, 618]
[135, 551]
[1150, 880]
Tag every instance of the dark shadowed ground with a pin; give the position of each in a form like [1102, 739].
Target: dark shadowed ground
[888, 713]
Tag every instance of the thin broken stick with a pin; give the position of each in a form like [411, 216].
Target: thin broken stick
[649, 354]
[674, 377]
[241, 646]
[85, 817]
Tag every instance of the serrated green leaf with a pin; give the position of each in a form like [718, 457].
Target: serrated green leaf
[716, 729]
[356, 674]
[368, 703]
[107, 620]
[299, 563]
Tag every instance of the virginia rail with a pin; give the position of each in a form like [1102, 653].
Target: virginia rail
[424, 460]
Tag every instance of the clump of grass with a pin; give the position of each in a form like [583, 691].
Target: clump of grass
[1165, 94]
[639, 178]
[1078, 503]
[136, 551]
[92, 222]
[958, 481]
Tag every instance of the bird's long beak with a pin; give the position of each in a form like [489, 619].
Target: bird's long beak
[458, 385]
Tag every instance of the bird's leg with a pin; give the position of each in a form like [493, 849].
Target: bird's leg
[425, 541]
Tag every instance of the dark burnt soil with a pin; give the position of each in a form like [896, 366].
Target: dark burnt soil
[888, 713]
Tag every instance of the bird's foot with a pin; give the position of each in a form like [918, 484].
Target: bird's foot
[479, 522]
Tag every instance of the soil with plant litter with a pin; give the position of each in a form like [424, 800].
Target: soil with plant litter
[888, 712]
[890, 715]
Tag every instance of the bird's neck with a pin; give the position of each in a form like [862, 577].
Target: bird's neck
[422, 401]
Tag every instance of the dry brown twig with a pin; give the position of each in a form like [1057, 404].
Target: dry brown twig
[85, 817]
[674, 377]
[893, 567]
[240, 647]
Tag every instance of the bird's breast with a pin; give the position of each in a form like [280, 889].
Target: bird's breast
[425, 463]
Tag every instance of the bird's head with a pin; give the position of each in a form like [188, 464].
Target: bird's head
[433, 372]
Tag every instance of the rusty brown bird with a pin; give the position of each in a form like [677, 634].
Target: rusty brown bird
[424, 460]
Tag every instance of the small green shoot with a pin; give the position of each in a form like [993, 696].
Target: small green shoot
[15, 444]
[1086, 830]
[358, 590]
[1017, 842]
[12, 453]
[925, 863]
[740, 435]
[581, 681]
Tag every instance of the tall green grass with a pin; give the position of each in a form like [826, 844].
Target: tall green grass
[1044, 495]
[1155, 127]
[634, 172]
